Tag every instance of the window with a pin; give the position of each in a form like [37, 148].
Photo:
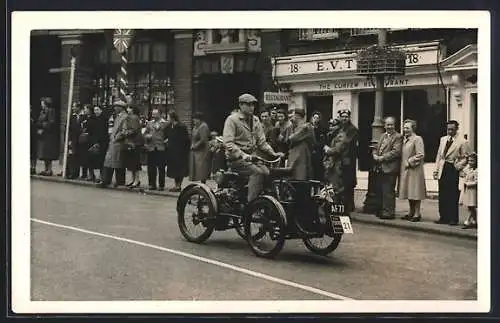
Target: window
[225, 36]
[317, 33]
[427, 106]
[149, 72]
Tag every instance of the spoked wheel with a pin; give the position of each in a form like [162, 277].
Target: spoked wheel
[240, 227]
[324, 245]
[195, 215]
[265, 226]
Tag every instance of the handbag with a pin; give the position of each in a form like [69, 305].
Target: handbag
[94, 149]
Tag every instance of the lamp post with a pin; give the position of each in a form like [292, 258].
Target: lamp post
[378, 62]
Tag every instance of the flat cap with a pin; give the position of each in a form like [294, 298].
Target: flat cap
[247, 98]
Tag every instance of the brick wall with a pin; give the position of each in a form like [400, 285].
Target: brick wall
[183, 70]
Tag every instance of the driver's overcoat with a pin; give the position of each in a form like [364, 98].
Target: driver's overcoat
[300, 155]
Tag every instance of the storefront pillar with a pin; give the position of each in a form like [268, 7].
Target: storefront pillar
[183, 71]
[371, 203]
[271, 47]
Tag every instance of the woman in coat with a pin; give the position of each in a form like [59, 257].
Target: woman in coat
[48, 144]
[412, 179]
[301, 144]
[200, 150]
[84, 142]
[177, 150]
[133, 145]
[98, 138]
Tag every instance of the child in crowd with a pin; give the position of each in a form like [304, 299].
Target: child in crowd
[217, 153]
[470, 193]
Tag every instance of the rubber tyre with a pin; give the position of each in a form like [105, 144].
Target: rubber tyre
[275, 209]
[326, 250]
[183, 199]
[241, 230]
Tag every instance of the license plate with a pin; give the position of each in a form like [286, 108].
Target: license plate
[345, 221]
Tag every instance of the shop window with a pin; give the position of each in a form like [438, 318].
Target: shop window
[159, 52]
[427, 107]
[149, 68]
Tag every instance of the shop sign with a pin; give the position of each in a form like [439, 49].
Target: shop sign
[277, 98]
[345, 63]
[360, 84]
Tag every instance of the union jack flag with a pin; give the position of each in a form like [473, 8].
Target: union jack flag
[121, 39]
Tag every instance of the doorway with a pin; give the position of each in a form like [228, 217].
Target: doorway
[219, 95]
[322, 104]
[473, 121]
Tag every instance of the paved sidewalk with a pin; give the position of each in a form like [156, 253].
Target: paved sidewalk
[429, 207]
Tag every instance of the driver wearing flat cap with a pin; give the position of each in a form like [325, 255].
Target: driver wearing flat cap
[243, 135]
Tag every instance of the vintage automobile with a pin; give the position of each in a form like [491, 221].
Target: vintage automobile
[286, 209]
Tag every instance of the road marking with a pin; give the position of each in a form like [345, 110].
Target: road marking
[203, 259]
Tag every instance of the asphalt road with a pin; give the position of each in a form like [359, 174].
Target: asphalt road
[90, 244]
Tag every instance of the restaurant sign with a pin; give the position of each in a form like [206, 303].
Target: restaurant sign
[359, 84]
[276, 98]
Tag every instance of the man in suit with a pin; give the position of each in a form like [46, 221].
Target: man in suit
[387, 157]
[450, 160]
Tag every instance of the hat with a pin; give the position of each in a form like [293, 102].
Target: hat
[344, 110]
[247, 98]
[120, 103]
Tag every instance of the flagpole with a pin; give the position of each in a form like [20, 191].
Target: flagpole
[68, 114]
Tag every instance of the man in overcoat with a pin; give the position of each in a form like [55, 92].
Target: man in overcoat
[113, 162]
[344, 147]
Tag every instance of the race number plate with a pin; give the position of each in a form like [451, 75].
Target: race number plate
[346, 224]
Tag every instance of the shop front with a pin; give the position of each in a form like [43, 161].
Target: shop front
[225, 66]
[431, 92]
[149, 70]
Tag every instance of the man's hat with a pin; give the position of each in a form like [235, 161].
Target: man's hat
[247, 98]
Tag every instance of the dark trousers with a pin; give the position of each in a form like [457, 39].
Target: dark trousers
[108, 176]
[386, 194]
[72, 167]
[156, 165]
[449, 194]
[256, 176]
